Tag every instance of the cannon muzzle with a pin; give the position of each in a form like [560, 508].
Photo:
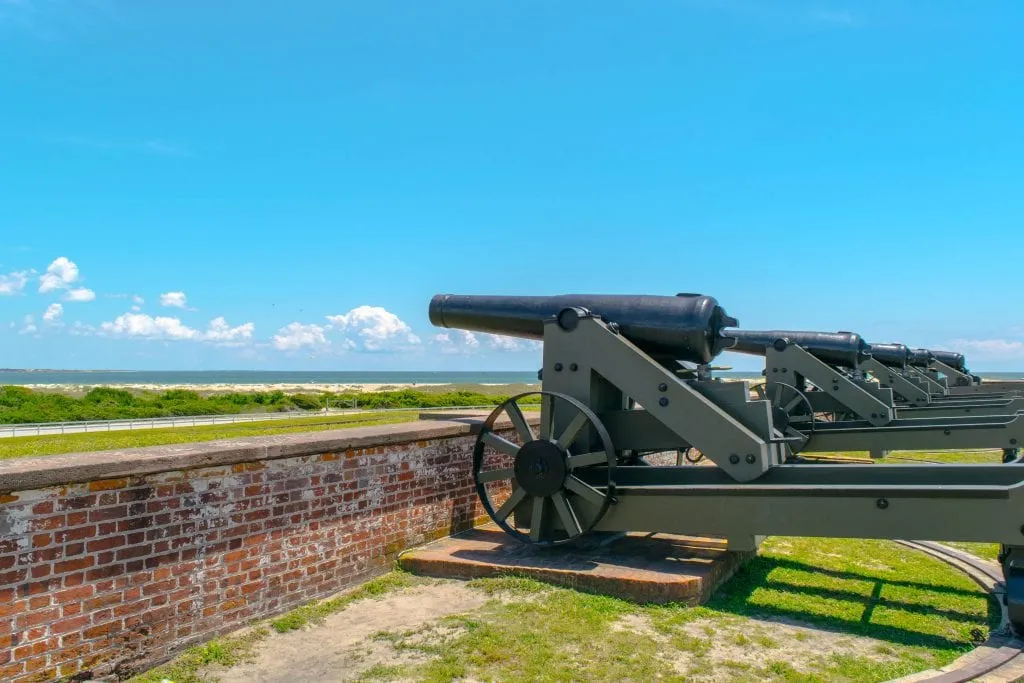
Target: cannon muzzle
[685, 327]
[952, 359]
[844, 349]
[893, 355]
[920, 358]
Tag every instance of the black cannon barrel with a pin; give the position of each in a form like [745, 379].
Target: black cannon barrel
[685, 327]
[952, 359]
[893, 355]
[844, 349]
[920, 358]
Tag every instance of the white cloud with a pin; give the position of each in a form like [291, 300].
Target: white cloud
[79, 294]
[29, 326]
[53, 313]
[14, 283]
[59, 275]
[988, 348]
[463, 341]
[62, 274]
[80, 329]
[378, 327]
[220, 331]
[142, 326]
[138, 300]
[172, 299]
[502, 343]
[296, 335]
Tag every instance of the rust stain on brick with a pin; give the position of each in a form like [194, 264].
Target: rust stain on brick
[107, 484]
[8, 499]
[229, 605]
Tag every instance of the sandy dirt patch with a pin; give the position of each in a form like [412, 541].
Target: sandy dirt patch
[342, 646]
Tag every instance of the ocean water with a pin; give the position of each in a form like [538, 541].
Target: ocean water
[96, 377]
[90, 377]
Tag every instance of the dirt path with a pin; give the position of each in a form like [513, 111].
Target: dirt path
[341, 647]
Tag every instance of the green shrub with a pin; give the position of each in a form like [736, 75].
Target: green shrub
[19, 405]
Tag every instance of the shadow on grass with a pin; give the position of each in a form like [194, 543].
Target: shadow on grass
[737, 597]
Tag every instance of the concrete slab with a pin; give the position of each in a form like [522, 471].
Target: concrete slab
[643, 568]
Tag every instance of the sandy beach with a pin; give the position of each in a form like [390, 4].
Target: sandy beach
[288, 388]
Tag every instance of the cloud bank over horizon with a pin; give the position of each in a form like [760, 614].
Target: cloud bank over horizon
[369, 329]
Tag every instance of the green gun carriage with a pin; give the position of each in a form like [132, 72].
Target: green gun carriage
[627, 375]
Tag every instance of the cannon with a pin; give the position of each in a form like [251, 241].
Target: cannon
[613, 388]
[908, 373]
[951, 359]
[951, 367]
[930, 375]
[836, 377]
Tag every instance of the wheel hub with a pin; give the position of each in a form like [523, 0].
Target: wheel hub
[541, 468]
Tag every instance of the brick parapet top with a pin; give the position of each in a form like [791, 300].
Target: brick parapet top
[22, 474]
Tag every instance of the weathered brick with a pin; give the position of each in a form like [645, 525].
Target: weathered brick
[105, 543]
[101, 601]
[106, 514]
[74, 534]
[30, 619]
[70, 624]
[74, 565]
[273, 549]
[30, 650]
[102, 630]
[77, 503]
[132, 552]
[38, 602]
[107, 484]
[9, 671]
[104, 572]
[48, 523]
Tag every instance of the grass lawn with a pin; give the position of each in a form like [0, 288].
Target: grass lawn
[803, 610]
[22, 446]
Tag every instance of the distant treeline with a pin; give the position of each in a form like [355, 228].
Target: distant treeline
[19, 405]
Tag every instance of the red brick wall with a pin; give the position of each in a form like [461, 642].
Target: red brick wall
[115, 575]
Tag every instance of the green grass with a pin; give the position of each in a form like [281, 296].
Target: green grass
[988, 551]
[224, 652]
[23, 446]
[922, 613]
[920, 610]
[985, 456]
[21, 405]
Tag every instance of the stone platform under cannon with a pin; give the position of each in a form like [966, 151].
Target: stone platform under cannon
[639, 567]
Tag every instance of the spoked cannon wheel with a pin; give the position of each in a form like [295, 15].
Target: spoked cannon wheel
[792, 413]
[540, 470]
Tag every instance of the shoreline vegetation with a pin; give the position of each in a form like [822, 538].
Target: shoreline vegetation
[21, 404]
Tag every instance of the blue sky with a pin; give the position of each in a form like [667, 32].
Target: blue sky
[286, 185]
